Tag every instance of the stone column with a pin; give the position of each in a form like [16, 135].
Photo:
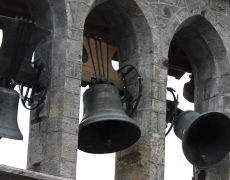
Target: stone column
[54, 126]
[139, 46]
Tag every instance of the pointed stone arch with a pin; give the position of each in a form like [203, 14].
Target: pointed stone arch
[135, 42]
[202, 52]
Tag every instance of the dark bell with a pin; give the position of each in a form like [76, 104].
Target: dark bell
[8, 114]
[105, 127]
[188, 91]
[205, 137]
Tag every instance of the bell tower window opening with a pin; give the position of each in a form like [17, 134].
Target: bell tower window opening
[20, 36]
[98, 52]
[102, 74]
[173, 150]
[9, 11]
[192, 50]
[180, 78]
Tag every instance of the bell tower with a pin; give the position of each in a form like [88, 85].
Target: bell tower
[73, 44]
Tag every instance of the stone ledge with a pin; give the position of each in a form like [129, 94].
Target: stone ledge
[11, 173]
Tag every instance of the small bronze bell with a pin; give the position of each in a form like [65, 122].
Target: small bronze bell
[205, 137]
[188, 91]
[105, 127]
[8, 114]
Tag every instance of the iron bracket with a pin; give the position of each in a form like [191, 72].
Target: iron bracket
[129, 100]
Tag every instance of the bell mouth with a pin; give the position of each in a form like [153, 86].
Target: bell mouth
[11, 133]
[107, 136]
[207, 140]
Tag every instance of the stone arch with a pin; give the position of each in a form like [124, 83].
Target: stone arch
[130, 15]
[204, 50]
[198, 48]
[133, 34]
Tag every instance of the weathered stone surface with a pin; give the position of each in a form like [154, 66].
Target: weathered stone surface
[159, 106]
[67, 168]
[182, 14]
[36, 148]
[47, 151]
[159, 91]
[10, 173]
[164, 10]
[77, 14]
[160, 74]
[73, 69]
[71, 105]
[72, 85]
[219, 5]
[53, 142]
[144, 35]
[69, 150]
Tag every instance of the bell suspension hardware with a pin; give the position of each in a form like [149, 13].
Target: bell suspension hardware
[20, 39]
[171, 109]
[106, 127]
[35, 95]
[100, 54]
[97, 62]
[129, 100]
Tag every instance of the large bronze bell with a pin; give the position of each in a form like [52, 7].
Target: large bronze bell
[8, 114]
[105, 127]
[205, 137]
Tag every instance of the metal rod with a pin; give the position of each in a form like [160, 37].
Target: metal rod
[90, 51]
[174, 111]
[103, 70]
[107, 61]
[98, 62]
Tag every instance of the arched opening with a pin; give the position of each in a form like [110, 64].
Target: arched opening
[113, 29]
[197, 48]
[12, 13]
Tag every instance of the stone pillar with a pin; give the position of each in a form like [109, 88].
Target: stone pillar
[139, 46]
[145, 159]
[54, 126]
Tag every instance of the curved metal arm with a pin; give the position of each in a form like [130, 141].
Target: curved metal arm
[39, 96]
[174, 113]
[140, 85]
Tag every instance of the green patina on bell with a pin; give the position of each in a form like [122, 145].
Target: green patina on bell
[105, 127]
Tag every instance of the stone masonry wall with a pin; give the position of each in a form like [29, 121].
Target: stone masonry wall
[54, 127]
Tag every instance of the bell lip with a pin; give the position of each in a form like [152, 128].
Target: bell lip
[184, 139]
[118, 117]
[17, 135]
[9, 91]
[132, 122]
